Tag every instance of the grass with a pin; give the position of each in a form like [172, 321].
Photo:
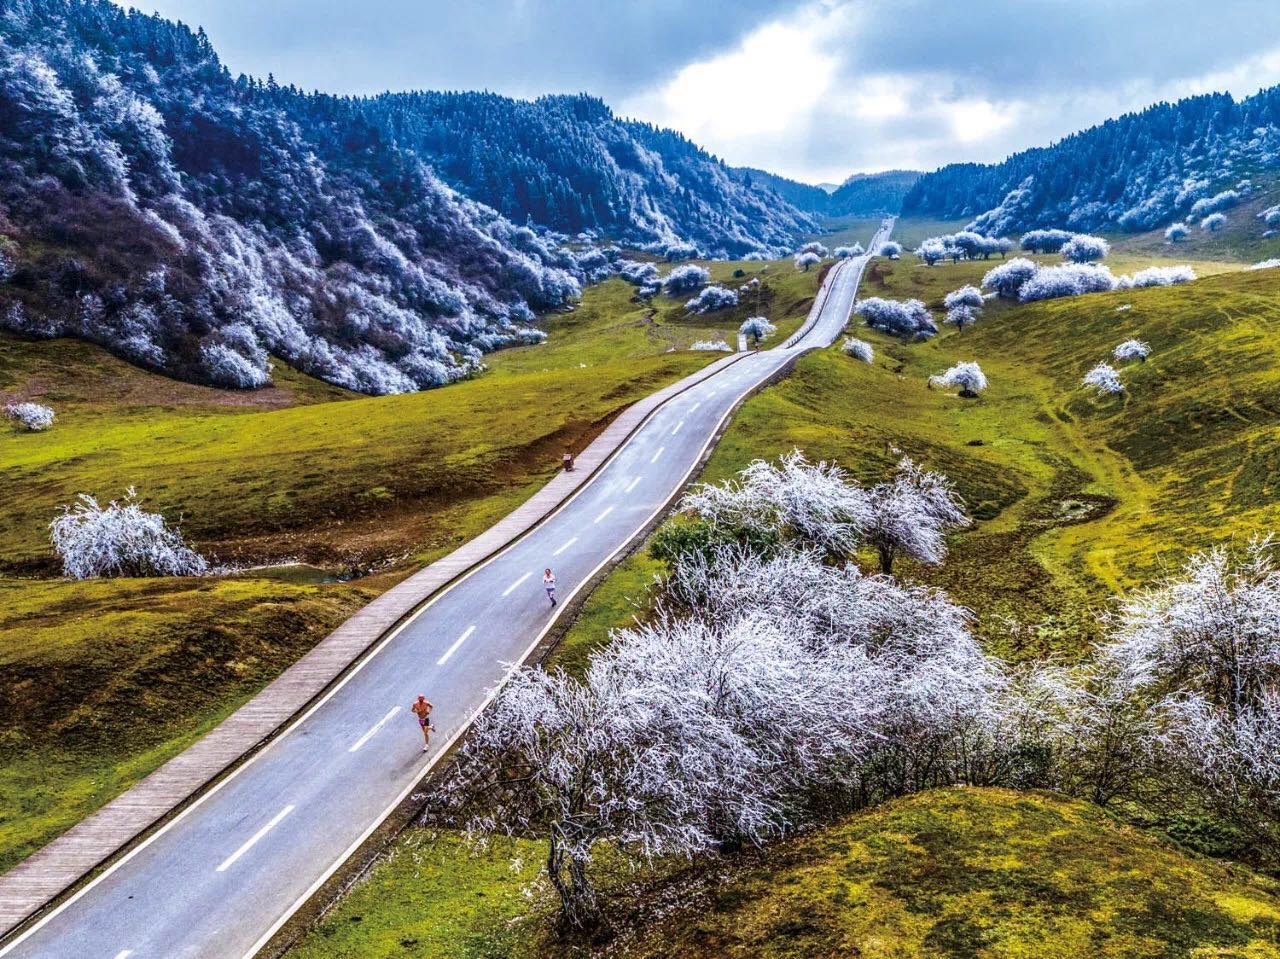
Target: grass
[952, 873]
[101, 682]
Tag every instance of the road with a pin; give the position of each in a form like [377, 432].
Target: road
[222, 877]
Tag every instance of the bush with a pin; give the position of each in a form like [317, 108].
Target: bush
[1176, 232]
[890, 248]
[1045, 241]
[1157, 276]
[1132, 350]
[1265, 265]
[1083, 248]
[30, 416]
[712, 298]
[712, 346]
[120, 539]
[1070, 279]
[1213, 222]
[965, 296]
[909, 318]
[1104, 379]
[858, 349]
[686, 279]
[1008, 279]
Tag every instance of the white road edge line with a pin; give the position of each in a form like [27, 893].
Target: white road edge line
[456, 643]
[350, 673]
[372, 732]
[677, 429]
[657, 454]
[565, 546]
[607, 511]
[512, 588]
[252, 841]
[633, 484]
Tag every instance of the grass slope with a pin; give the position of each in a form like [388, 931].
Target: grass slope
[101, 682]
[953, 874]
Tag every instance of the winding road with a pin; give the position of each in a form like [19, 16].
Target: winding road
[222, 877]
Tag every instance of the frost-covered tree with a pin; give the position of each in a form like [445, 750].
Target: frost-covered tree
[638, 273]
[712, 346]
[757, 328]
[812, 504]
[1271, 215]
[1132, 350]
[685, 279]
[1104, 378]
[1213, 222]
[35, 417]
[967, 295]
[1265, 265]
[120, 539]
[1045, 241]
[858, 349]
[710, 299]
[814, 247]
[908, 318]
[806, 260]
[1008, 279]
[678, 250]
[968, 376]
[1206, 206]
[1069, 279]
[890, 248]
[960, 317]
[933, 251]
[910, 516]
[1176, 232]
[1083, 248]
[1157, 276]
[844, 252]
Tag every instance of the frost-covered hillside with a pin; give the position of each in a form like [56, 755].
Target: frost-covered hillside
[197, 223]
[1139, 171]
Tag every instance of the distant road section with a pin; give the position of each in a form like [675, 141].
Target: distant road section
[222, 877]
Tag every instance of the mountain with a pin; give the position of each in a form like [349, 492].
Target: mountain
[1135, 172]
[863, 194]
[200, 224]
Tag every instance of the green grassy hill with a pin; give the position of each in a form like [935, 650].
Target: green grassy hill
[100, 682]
[952, 874]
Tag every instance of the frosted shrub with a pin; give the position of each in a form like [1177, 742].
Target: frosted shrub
[858, 349]
[909, 318]
[1265, 265]
[1213, 222]
[1008, 279]
[30, 416]
[228, 367]
[967, 295]
[1070, 279]
[1271, 215]
[120, 539]
[1211, 204]
[911, 514]
[757, 328]
[1104, 379]
[1157, 276]
[890, 248]
[1044, 241]
[1132, 350]
[968, 376]
[1176, 232]
[686, 279]
[710, 299]
[712, 346]
[1083, 248]
[679, 250]
[638, 273]
[806, 260]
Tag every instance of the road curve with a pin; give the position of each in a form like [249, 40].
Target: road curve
[222, 877]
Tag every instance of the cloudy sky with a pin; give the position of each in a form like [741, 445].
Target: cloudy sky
[815, 90]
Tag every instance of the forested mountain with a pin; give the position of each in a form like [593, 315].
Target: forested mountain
[1134, 172]
[863, 194]
[196, 223]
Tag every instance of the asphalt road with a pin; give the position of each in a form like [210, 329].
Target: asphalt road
[221, 878]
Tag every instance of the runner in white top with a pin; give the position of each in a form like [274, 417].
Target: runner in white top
[549, 584]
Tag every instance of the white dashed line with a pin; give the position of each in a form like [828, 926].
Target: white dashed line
[565, 546]
[124, 954]
[372, 732]
[512, 588]
[231, 860]
[454, 648]
[657, 454]
[695, 406]
[677, 429]
[607, 511]
[634, 483]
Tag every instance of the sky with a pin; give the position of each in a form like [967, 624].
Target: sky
[811, 89]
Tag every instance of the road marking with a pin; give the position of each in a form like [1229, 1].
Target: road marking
[677, 429]
[456, 643]
[657, 454]
[634, 483]
[231, 860]
[511, 589]
[124, 954]
[607, 511]
[695, 406]
[370, 734]
[565, 546]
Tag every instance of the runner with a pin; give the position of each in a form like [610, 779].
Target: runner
[422, 709]
[549, 584]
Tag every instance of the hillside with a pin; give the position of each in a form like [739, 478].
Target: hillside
[207, 226]
[1134, 172]
[862, 195]
[953, 873]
